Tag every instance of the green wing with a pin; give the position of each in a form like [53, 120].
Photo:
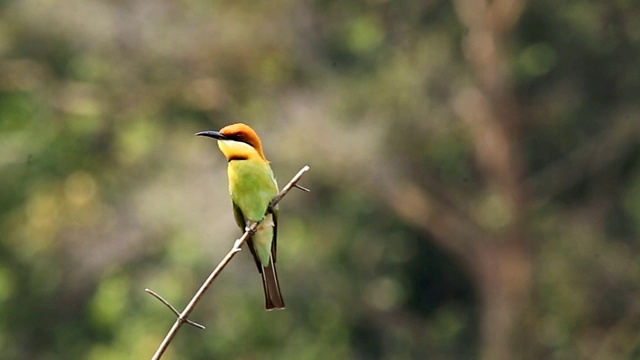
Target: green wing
[237, 213]
[274, 242]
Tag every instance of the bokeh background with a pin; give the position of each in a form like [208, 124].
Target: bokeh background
[475, 176]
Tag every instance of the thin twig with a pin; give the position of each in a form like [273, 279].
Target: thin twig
[301, 188]
[173, 309]
[183, 317]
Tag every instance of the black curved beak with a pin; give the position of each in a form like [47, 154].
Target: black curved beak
[212, 134]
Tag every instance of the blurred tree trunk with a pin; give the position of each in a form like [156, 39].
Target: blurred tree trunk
[491, 237]
[503, 262]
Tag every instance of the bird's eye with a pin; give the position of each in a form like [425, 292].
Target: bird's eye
[240, 137]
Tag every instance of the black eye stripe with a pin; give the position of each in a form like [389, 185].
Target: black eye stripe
[240, 137]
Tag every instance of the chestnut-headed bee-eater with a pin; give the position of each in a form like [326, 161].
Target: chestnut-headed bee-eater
[252, 187]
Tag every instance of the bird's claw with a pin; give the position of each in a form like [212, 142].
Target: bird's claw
[251, 230]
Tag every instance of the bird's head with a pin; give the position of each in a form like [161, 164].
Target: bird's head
[237, 142]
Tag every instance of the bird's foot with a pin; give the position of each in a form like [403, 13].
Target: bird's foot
[250, 229]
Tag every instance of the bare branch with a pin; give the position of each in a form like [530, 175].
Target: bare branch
[585, 160]
[429, 209]
[301, 188]
[291, 184]
[183, 317]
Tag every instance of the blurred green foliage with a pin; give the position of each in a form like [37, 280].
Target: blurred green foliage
[105, 191]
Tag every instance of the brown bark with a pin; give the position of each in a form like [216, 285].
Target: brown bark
[503, 264]
[491, 238]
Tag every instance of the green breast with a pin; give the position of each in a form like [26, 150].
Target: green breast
[252, 186]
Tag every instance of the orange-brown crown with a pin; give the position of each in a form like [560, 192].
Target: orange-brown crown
[244, 133]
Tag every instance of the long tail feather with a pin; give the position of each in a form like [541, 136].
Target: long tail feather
[272, 294]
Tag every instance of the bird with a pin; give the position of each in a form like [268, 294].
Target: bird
[252, 186]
